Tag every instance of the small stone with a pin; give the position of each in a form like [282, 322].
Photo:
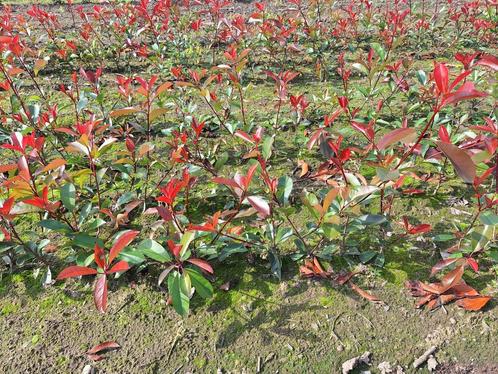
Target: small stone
[351, 364]
[340, 348]
[248, 307]
[432, 364]
[88, 369]
[385, 367]
[452, 321]
[270, 357]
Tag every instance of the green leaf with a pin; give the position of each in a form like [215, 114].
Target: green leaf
[84, 240]
[231, 249]
[372, 219]
[185, 242]
[95, 224]
[489, 219]
[379, 50]
[284, 189]
[54, 225]
[202, 286]
[276, 264]
[131, 256]
[68, 196]
[443, 237]
[125, 198]
[422, 77]
[367, 256]
[267, 147]
[154, 250]
[283, 233]
[386, 175]
[84, 212]
[222, 160]
[181, 301]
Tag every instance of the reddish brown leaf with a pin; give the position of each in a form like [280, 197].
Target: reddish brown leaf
[363, 293]
[395, 136]
[424, 300]
[99, 256]
[203, 264]
[54, 164]
[473, 303]
[442, 264]
[6, 168]
[463, 164]
[452, 278]
[463, 290]
[104, 347]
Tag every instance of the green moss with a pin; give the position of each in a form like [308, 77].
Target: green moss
[146, 302]
[62, 362]
[200, 362]
[326, 301]
[9, 308]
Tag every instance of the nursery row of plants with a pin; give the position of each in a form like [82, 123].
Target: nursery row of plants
[169, 136]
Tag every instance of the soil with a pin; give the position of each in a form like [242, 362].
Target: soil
[289, 327]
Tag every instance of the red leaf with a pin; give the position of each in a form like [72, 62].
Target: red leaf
[420, 229]
[75, 271]
[314, 138]
[473, 303]
[443, 134]
[441, 77]
[260, 205]
[99, 256]
[473, 264]
[394, 137]
[466, 92]
[463, 164]
[250, 174]
[489, 61]
[203, 264]
[103, 347]
[100, 293]
[122, 242]
[164, 213]
[244, 136]
[226, 181]
[118, 267]
[35, 201]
